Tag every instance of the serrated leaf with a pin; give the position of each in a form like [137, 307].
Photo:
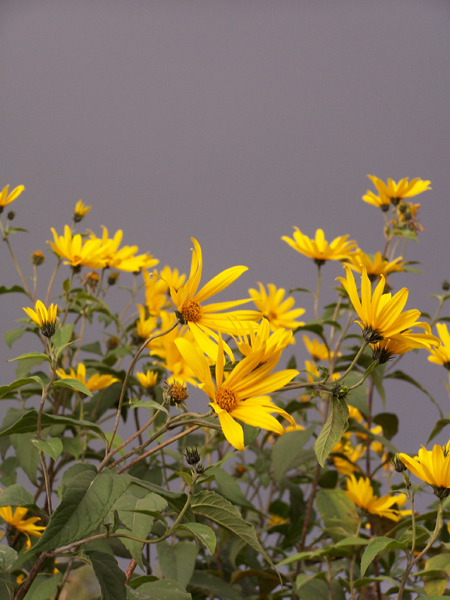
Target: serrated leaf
[8, 557]
[164, 589]
[53, 447]
[229, 487]
[203, 533]
[12, 335]
[43, 587]
[7, 389]
[16, 495]
[177, 562]
[288, 451]
[375, 547]
[221, 511]
[332, 431]
[40, 355]
[84, 506]
[27, 454]
[72, 384]
[110, 577]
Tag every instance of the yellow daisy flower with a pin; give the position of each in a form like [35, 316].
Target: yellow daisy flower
[403, 189]
[123, 259]
[317, 350]
[236, 395]
[172, 278]
[375, 266]
[26, 526]
[276, 310]
[155, 292]
[261, 338]
[205, 321]
[81, 210]
[431, 466]
[402, 343]
[147, 379]
[361, 492]
[94, 383]
[441, 355]
[6, 198]
[352, 454]
[145, 327]
[78, 252]
[44, 319]
[381, 314]
[319, 249]
[381, 201]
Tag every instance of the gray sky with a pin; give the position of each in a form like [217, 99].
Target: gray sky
[230, 121]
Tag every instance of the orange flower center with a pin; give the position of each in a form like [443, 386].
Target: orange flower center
[191, 311]
[226, 399]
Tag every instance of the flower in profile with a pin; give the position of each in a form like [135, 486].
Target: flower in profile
[147, 379]
[403, 189]
[404, 342]
[26, 526]
[236, 395]
[441, 355]
[381, 201]
[261, 338]
[319, 249]
[376, 266]
[123, 259]
[94, 383]
[78, 252]
[6, 198]
[172, 278]
[275, 309]
[381, 314]
[205, 321]
[317, 350]
[431, 466]
[81, 210]
[145, 326]
[155, 292]
[44, 319]
[361, 492]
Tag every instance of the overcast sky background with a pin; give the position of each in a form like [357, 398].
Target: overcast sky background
[230, 121]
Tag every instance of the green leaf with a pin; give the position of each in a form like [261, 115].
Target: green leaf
[110, 577]
[164, 589]
[39, 355]
[14, 288]
[203, 533]
[7, 389]
[229, 487]
[209, 584]
[438, 428]
[16, 495]
[12, 335]
[86, 501]
[27, 423]
[27, 454]
[149, 404]
[8, 557]
[220, 511]
[43, 587]
[375, 547]
[333, 429]
[53, 447]
[389, 423]
[94, 348]
[63, 336]
[72, 446]
[177, 562]
[72, 384]
[337, 510]
[288, 451]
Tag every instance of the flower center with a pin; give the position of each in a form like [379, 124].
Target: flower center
[226, 399]
[191, 311]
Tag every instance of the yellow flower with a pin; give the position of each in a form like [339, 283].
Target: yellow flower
[361, 492]
[262, 338]
[431, 466]
[381, 314]
[204, 321]
[81, 210]
[381, 201]
[275, 520]
[317, 350]
[44, 319]
[403, 189]
[319, 249]
[26, 526]
[77, 252]
[402, 343]
[172, 278]
[147, 379]
[94, 383]
[441, 355]
[6, 198]
[155, 292]
[236, 395]
[276, 310]
[145, 327]
[346, 464]
[123, 259]
[375, 266]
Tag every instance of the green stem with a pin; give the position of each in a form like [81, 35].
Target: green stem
[317, 294]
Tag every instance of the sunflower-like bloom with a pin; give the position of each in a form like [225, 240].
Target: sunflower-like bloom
[78, 252]
[431, 466]
[81, 210]
[403, 342]
[6, 198]
[44, 319]
[172, 277]
[236, 395]
[361, 492]
[319, 249]
[123, 259]
[94, 383]
[375, 266]
[381, 314]
[261, 338]
[155, 292]
[403, 189]
[26, 526]
[276, 310]
[147, 379]
[205, 321]
[347, 463]
[145, 327]
[441, 355]
[381, 201]
[317, 350]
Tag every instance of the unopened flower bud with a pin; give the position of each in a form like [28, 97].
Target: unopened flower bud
[37, 258]
[398, 464]
[192, 456]
[11, 215]
[445, 286]
[113, 277]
